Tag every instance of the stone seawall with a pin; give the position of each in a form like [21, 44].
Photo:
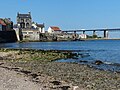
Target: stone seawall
[8, 36]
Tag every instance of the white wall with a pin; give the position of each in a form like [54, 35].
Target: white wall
[84, 36]
[17, 33]
[50, 30]
[34, 25]
[42, 30]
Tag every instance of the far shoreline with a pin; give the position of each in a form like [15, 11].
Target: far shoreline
[100, 39]
[88, 39]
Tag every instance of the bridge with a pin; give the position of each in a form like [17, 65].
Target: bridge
[93, 30]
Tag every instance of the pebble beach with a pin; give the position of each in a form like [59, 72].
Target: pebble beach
[38, 69]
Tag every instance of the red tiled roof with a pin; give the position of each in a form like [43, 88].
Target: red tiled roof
[55, 28]
[2, 22]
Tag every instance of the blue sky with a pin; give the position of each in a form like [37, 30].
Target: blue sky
[67, 14]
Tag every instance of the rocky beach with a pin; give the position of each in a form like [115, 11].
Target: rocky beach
[25, 69]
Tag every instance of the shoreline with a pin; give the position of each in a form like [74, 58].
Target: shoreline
[99, 39]
[70, 40]
[71, 74]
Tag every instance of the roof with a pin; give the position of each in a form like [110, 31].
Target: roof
[2, 22]
[24, 15]
[7, 21]
[15, 26]
[40, 25]
[55, 28]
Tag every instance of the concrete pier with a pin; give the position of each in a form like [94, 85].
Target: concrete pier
[94, 32]
[105, 34]
[83, 32]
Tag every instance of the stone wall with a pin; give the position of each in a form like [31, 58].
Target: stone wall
[8, 36]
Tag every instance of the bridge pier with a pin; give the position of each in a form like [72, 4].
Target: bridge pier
[105, 34]
[94, 32]
[75, 32]
[83, 32]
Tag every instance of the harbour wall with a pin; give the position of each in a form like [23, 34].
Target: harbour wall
[8, 36]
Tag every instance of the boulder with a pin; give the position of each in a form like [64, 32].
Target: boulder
[98, 62]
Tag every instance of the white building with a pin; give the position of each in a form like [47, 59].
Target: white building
[54, 30]
[83, 36]
[30, 34]
[40, 27]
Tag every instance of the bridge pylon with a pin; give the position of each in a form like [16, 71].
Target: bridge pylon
[105, 34]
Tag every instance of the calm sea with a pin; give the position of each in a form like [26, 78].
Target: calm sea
[107, 51]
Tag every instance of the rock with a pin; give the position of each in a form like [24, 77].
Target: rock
[98, 62]
[65, 87]
[75, 87]
[83, 61]
[56, 82]
[1, 58]
[1, 63]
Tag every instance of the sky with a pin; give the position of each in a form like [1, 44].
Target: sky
[67, 14]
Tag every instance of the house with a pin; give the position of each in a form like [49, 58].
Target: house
[9, 24]
[26, 29]
[40, 27]
[83, 36]
[33, 33]
[30, 34]
[2, 25]
[54, 30]
[24, 20]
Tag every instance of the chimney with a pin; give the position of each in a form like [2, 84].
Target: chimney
[29, 13]
[17, 13]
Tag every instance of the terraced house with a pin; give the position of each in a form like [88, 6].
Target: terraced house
[2, 25]
[6, 24]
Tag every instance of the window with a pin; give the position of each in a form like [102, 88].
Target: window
[30, 32]
[27, 20]
[22, 25]
[27, 25]
[24, 32]
[22, 20]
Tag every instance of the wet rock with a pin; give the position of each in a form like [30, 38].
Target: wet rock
[34, 75]
[83, 61]
[1, 58]
[85, 55]
[1, 63]
[98, 62]
[25, 72]
[65, 87]
[56, 82]
[15, 68]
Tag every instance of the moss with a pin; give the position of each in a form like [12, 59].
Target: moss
[26, 55]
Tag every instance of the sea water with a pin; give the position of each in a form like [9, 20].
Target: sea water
[108, 51]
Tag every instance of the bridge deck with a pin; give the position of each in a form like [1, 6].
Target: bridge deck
[116, 29]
